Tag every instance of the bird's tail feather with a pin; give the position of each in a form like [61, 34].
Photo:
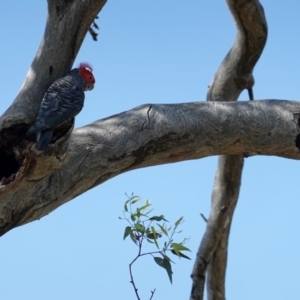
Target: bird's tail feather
[43, 139]
[31, 131]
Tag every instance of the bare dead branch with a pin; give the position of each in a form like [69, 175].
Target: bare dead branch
[204, 218]
[234, 75]
[250, 94]
[93, 33]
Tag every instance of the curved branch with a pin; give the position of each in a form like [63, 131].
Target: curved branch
[234, 75]
[146, 136]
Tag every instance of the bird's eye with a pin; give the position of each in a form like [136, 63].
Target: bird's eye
[91, 77]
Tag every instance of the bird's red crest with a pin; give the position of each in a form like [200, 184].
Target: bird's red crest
[85, 66]
[86, 70]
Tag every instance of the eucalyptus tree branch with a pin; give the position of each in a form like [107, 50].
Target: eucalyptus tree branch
[66, 27]
[224, 198]
[145, 136]
[234, 75]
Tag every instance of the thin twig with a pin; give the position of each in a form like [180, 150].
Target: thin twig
[250, 93]
[130, 271]
[203, 217]
[152, 293]
[151, 253]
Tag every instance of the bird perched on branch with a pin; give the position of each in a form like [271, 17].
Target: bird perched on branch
[62, 102]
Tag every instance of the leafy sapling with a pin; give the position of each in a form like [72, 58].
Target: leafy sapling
[143, 227]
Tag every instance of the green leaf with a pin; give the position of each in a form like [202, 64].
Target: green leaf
[178, 221]
[158, 218]
[168, 258]
[144, 206]
[136, 199]
[132, 236]
[139, 227]
[127, 232]
[138, 213]
[125, 206]
[175, 251]
[163, 230]
[165, 263]
[142, 215]
[179, 254]
[154, 236]
[159, 261]
[179, 247]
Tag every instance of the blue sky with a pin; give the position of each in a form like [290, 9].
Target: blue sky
[157, 52]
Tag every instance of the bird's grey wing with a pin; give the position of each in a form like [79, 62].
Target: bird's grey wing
[61, 103]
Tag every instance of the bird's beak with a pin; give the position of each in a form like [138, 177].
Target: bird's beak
[89, 86]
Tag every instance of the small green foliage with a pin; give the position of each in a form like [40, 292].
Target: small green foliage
[143, 228]
[165, 263]
[156, 218]
[180, 254]
[163, 229]
[179, 247]
[154, 236]
[127, 232]
[178, 221]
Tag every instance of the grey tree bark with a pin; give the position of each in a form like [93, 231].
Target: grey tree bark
[233, 76]
[34, 183]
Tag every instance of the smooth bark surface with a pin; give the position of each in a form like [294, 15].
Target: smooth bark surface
[233, 76]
